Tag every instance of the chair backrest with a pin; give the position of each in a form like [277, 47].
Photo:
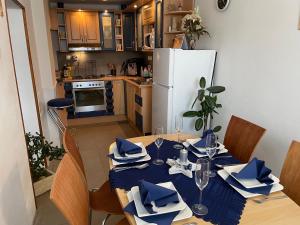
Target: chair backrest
[69, 192]
[242, 137]
[290, 173]
[71, 147]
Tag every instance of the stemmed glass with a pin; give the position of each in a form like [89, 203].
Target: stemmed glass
[201, 179]
[158, 142]
[178, 128]
[211, 149]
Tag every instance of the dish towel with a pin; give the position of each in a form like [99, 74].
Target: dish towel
[255, 169]
[202, 142]
[163, 219]
[176, 168]
[127, 147]
[160, 196]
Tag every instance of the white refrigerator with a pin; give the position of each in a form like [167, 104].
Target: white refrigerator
[176, 75]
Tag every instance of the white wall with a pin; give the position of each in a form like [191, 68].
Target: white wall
[258, 48]
[22, 68]
[16, 195]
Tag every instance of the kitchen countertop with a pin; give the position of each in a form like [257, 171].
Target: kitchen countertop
[130, 79]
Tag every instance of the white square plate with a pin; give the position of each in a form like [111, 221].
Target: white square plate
[248, 183]
[146, 158]
[246, 194]
[130, 156]
[202, 150]
[183, 214]
[171, 207]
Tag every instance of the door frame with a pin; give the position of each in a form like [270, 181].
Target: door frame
[30, 66]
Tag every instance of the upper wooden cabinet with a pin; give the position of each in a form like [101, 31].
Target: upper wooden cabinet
[83, 27]
[149, 13]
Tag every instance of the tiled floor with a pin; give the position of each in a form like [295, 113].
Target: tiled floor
[93, 142]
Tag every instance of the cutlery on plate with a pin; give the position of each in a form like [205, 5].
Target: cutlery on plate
[141, 166]
[260, 201]
[193, 223]
[222, 156]
[224, 165]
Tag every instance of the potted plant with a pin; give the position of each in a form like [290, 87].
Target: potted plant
[193, 27]
[39, 150]
[207, 98]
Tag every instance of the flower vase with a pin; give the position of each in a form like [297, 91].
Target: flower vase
[191, 42]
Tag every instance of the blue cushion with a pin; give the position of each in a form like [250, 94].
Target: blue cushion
[60, 102]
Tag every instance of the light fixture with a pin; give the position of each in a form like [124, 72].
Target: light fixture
[105, 11]
[79, 10]
[135, 6]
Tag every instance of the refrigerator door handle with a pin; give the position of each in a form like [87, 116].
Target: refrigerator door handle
[163, 85]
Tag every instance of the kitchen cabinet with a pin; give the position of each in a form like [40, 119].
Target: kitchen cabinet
[118, 97]
[139, 29]
[143, 109]
[53, 19]
[158, 24]
[130, 102]
[128, 31]
[83, 27]
[149, 13]
[107, 31]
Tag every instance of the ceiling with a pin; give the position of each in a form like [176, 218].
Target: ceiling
[94, 1]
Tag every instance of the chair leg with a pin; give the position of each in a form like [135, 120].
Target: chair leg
[105, 219]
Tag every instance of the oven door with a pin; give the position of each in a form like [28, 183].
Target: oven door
[90, 99]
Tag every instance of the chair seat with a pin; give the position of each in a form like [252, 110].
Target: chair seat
[60, 102]
[123, 222]
[105, 199]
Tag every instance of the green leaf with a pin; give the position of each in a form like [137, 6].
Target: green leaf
[202, 82]
[201, 94]
[217, 129]
[198, 124]
[190, 114]
[216, 89]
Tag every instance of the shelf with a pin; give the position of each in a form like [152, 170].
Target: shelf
[178, 12]
[174, 32]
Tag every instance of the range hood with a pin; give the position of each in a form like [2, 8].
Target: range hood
[84, 49]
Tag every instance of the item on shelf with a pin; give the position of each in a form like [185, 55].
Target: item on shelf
[179, 5]
[171, 7]
[174, 23]
[180, 42]
[118, 22]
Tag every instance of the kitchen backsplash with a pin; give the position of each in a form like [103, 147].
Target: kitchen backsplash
[99, 60]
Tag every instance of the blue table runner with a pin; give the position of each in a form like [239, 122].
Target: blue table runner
[225, 205]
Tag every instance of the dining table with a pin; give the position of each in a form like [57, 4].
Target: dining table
[272, 211]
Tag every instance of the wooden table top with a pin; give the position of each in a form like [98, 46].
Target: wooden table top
[273, 212]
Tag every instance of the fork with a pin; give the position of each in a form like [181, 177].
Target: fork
[260, 201]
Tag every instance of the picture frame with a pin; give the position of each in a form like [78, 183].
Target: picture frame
[180, 42]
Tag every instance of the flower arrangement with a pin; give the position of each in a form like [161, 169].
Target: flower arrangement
[192, 26]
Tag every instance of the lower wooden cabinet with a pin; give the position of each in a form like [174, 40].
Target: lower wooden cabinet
[119, 100]
[130, 103]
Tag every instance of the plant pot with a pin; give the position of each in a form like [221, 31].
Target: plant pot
[44, 184]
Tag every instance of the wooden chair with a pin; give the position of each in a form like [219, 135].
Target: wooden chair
[70, 194]
[242, 137]
[101, 199]
[290, 173]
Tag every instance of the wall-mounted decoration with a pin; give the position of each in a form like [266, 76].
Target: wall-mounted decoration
[1, 8]
[222, 5]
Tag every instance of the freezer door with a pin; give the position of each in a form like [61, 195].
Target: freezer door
[163, 66]
[161, 107]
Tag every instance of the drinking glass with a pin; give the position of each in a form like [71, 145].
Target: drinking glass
[158, 142]
[201, 179]
[178, 128]
[211, 149]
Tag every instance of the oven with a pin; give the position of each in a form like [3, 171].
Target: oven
[89, 96]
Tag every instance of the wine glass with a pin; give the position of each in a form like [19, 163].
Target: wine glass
[201, 179]
[158, 142]
[178, 128]
[211, 149]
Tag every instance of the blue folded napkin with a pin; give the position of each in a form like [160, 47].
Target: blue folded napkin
[202, 142]
[258, 190]
[162, 219]
[255, 169]
[161, 196]
[127, 147]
